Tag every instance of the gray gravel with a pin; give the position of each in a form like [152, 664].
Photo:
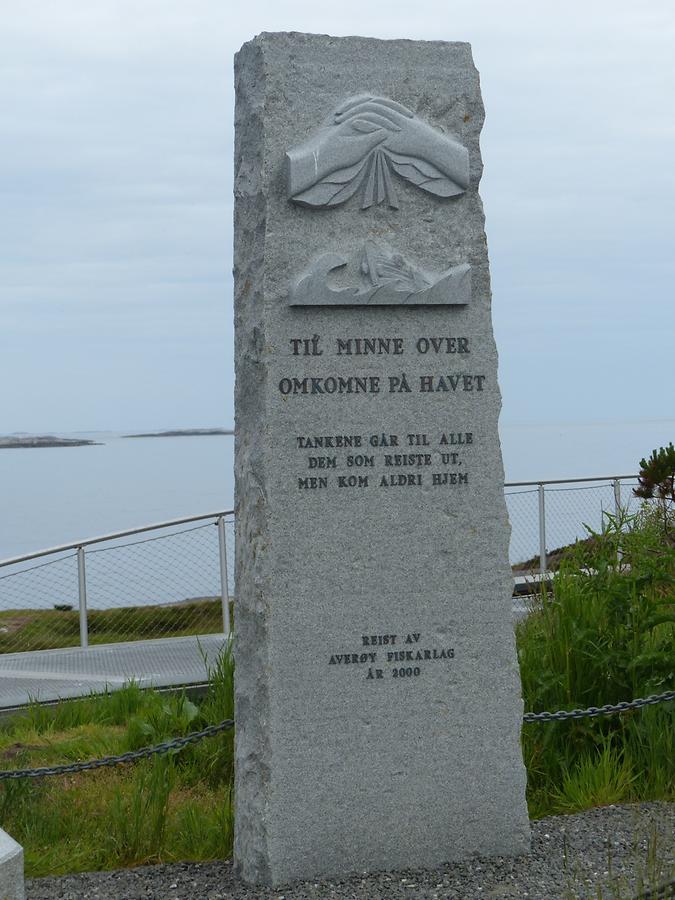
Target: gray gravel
[623, 849]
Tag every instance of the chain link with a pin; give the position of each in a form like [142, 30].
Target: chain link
[193, 737]
[606, 710]
[131, 756]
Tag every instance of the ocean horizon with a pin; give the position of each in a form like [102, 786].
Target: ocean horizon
[52, 496]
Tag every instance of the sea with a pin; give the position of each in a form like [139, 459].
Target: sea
[52, 496]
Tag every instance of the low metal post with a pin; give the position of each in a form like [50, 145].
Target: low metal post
[224, 591]
[82, 594]
[542, 531]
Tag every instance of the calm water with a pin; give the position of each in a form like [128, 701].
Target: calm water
[57, 495]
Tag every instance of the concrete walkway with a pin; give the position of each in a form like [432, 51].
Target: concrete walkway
[59, 674]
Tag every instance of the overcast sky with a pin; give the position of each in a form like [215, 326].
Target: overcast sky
[116, 191]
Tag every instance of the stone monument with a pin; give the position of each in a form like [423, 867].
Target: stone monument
[378, 701]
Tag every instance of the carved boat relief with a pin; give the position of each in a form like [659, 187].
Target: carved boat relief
[379, 276]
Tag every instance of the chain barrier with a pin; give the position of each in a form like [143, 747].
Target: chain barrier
[606, 710]
[130, 756]
[195, 736]
[662, 892]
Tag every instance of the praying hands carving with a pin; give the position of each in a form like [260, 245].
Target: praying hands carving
[363, 144]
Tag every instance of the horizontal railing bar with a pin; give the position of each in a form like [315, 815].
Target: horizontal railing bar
[568, 480]
[119, 534]
[111, 537]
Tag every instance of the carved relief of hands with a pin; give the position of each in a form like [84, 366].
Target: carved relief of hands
[366, 139]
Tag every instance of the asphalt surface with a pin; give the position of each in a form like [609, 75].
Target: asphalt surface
[60, 674]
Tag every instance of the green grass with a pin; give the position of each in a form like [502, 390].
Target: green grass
[169, 808]
[30, 629]
[605, 633]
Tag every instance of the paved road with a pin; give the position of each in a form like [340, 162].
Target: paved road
[55, 674]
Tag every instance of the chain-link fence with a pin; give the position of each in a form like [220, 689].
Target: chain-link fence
[173, 579]
[168, 580]
[549, 515]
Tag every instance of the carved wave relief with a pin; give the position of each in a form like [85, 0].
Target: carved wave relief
[363, 144]
[379, 276]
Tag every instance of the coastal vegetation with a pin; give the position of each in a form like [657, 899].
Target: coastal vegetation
[48, 629]
[604, 632]
[168, 808]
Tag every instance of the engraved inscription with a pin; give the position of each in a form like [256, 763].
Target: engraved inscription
[437, 458]
[392, 656]
[362, 144]
[407, 466]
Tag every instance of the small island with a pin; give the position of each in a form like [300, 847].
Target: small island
[31, 441]
[182, 432]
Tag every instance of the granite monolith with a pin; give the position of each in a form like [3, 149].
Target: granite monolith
[378, 703]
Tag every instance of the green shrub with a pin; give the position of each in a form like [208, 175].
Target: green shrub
[605, 633]
[172, 807]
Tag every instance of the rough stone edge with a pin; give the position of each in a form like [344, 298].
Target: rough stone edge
[11, 868]
[522, 829]
[268, 37]
[252, 702]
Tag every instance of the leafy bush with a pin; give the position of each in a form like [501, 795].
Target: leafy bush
[657, 475]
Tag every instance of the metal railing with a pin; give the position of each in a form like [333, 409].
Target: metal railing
[171, 578]
[549, 514]
[170, 581]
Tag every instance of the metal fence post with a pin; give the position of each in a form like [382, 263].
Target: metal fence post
[617, 497]
[224, 591]
[617, 512]
[542, 530]
[82, 594]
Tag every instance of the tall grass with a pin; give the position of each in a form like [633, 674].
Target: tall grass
[178, 806]
[605, 633]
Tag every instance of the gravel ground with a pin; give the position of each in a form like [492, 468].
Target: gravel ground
[623, 849]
